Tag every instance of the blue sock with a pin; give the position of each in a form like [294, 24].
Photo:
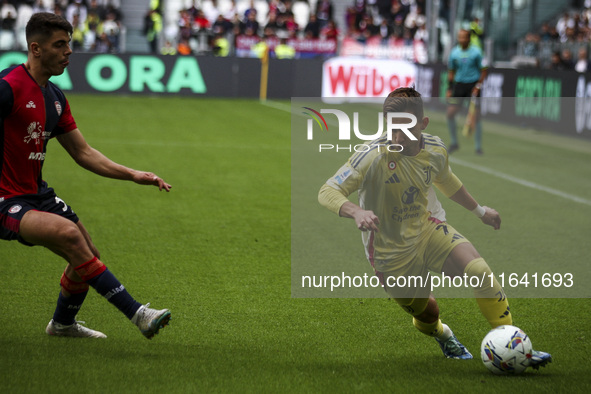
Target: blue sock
[109, 287]
[68, 307]
[451, 125]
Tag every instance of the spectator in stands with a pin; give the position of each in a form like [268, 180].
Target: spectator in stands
[330, 31]
[111, 8]
[367, 27]
[563, 23]
[90, 34]
[77, 42]
[250, 10]
[398, 29]
[260, 50]
[414, 19]
[210, 10]
[422, 34]
[152, 28]
[184, 24]
[358, 9]
[76, 8]
[291, 25]
[97, 9]
[221, 25]
[556, 62]
[276, 7]
[582, 64]
[545, 34]
[269, 34]
[351, 20]
[530, 45]
[312, 29]
[57, 9]
[183, 47]
[200, 23]
[567, 59]
[41, 6]
[102, 45]
[275, 23]
[111, 29]
[476, 33]
[398, 10]
[7, 10]
[220, 45]
[7, 26]
[168, 48]
[324, 12]
[384, 7]
[232, 12]
[250, 23]
[284, 50]
[192, 10]
[569, 36]
[385, 30]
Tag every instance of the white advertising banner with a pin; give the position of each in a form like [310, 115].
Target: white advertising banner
[351, 77]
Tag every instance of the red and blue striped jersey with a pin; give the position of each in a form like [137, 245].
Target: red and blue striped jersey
[30, 115]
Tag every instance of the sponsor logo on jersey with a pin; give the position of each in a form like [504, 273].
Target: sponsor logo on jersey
[393, 179]
[35, 133]
[31, 104]
[410, 195]
[15, 209]
[340, 178]
[58, 108]
[37, 156]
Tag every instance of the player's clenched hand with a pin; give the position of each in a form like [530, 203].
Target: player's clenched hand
[148, 178]
[366, 220]
[491, 217]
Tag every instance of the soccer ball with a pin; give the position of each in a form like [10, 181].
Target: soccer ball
[506, 350]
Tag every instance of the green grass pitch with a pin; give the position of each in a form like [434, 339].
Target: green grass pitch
[216, 251]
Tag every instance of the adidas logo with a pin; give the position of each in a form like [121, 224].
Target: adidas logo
[31, 104]
[393, 179]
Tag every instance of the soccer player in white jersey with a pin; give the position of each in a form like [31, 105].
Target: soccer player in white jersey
[403, 225]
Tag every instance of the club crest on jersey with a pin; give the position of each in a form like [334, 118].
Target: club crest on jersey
[392, 165]
[35, 133]
[58, 108]
[15, 209]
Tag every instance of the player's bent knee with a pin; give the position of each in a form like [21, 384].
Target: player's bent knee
[69, 235]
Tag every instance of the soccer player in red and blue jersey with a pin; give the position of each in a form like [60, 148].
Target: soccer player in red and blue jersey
[32, 111]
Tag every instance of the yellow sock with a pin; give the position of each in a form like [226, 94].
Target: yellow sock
[434, 329]
[490, 297]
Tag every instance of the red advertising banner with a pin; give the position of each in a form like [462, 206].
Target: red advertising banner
[303, 47]
[397, 49]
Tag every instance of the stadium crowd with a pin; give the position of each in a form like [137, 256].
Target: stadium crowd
[218, 25]
[97, 23]
[563, 44]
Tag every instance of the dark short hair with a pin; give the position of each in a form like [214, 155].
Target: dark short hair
[406, 99]
[43, 24]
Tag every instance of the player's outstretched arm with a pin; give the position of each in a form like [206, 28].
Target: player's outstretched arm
[364, 220]
[490, 216]
[93, 160]
[337, 202]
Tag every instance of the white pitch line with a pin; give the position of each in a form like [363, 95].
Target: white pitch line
[520, 181]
